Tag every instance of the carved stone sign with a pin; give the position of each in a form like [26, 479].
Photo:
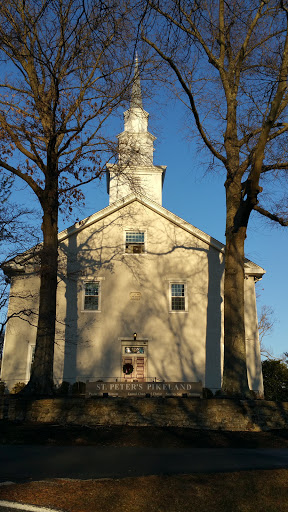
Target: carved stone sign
[135, 295]
[144, 388]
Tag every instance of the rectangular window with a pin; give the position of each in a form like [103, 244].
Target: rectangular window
[134, 350]
[91, 296]
[178, 297]
[135, 242]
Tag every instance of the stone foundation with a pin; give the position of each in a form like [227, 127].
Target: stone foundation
[212, 414]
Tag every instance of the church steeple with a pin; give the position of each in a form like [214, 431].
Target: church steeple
[135, 171]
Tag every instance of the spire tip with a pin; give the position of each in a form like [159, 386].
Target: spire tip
[136, 95]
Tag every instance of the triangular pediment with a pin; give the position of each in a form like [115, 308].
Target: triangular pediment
[250, 267]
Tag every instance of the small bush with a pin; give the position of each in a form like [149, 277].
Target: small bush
[17, 388]
[78, 388]
[63, 389]
[275, 377]
[2, 388]
[254, 395]
[207, 393]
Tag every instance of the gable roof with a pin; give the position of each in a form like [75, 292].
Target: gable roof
[149, 203]
[250, 267]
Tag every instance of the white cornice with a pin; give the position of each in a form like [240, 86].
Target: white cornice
[145, 169]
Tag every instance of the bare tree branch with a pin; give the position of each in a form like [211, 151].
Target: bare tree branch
[280, 220]
[171, 62]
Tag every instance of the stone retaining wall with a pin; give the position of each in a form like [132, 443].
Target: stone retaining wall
[212, 414]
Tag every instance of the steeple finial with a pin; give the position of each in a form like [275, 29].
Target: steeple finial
[136, 96]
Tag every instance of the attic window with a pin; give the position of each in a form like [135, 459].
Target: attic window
[135, 242]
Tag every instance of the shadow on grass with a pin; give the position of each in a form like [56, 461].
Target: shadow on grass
[53, 434]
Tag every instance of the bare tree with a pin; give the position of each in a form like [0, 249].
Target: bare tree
[265, 327]
[66, 72]
[229, 65]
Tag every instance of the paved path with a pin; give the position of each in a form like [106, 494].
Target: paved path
[16, 507]
[22, 463]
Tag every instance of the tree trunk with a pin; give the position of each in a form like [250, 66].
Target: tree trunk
[235, 381]
[41, 379]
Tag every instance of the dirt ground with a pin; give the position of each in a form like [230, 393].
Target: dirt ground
[245, 491]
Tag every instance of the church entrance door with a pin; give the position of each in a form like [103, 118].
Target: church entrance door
[134, 361]
[138, 373]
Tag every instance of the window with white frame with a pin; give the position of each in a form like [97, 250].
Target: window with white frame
[134, 242]
[92, 296]
[178, 299]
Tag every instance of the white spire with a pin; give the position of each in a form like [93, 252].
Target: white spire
[136, 118]
[135, 171]
[136, 95]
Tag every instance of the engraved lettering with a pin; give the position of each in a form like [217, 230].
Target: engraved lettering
[140, 388]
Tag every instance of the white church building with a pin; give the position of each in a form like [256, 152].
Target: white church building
[140, 294]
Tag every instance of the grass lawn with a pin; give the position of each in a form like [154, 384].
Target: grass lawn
[245, 491]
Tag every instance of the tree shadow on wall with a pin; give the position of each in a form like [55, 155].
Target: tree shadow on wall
[147, 274]
[80, 260]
